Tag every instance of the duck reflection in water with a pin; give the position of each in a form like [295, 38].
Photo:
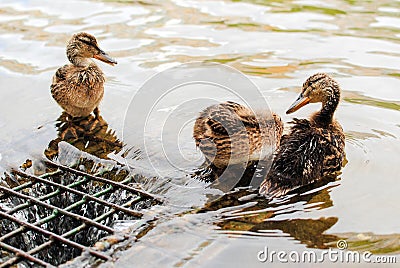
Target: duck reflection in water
[227, 178]
[90, 134]
[259, 217]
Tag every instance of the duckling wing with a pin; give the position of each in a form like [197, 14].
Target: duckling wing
[58, 82]
[241, 115]
[221, 133]
[299, 160]
[60, 75]
[222, 120]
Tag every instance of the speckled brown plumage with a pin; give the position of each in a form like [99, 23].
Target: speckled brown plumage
[313, 148]
[229, 133]
[78, 87]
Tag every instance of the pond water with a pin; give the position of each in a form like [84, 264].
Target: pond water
[277, 45]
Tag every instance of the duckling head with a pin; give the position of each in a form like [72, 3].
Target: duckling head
[83, 46]
[319, 87]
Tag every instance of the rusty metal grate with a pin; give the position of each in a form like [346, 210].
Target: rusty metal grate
[57, 213]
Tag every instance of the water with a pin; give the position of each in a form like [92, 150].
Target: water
[278, 44]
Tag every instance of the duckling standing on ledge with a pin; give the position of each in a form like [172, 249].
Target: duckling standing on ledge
[78, 87]
[314, 148]
[229, 133]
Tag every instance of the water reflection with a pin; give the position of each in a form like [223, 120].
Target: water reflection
[263, 217]
[221, 177]
[310, 232]
[89, 134]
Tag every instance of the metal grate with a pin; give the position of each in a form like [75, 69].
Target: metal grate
[56, 212]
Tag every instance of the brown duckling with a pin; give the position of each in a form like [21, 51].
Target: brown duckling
[314, 148]
[229, 133]
[78, 87]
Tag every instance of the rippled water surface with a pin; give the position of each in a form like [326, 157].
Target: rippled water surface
[277, 44]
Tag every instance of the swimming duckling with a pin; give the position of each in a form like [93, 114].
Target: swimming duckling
[78, 87]
[314, 148]
[229, 133]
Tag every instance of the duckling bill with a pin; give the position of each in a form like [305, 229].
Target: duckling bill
[229, 133]
[79, 87]
[313, 148]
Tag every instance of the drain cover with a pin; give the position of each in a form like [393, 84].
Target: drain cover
[51, 218]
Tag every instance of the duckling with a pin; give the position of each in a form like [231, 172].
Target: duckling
[314, 148]
[229, 133]
[78, 87]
